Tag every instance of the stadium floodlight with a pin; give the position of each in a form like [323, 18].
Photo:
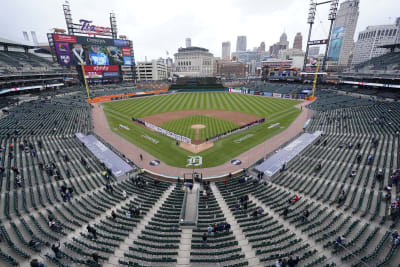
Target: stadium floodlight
[311, 12]
[333, 9]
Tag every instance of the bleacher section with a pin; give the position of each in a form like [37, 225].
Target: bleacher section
[12, 62]
[386, 62]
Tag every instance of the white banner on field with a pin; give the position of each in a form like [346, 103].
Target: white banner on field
[168, 133]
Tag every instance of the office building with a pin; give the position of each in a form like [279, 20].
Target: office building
[154, 70]
[342, 38]
[369, 42]
[194, 62]
[298, 41]
[241, 43]
[226, 50]
[281, 45]
[262, 47]
[231, 70]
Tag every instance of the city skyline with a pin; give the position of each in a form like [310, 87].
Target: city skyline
[172, 26]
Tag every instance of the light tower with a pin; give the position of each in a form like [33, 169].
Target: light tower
[311, 17]
[310, 20]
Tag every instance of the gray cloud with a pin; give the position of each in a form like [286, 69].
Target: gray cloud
[157, 26]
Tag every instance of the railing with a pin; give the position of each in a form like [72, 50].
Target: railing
[183, 209]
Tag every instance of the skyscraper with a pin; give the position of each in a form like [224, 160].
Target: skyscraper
[342, 38]
[298, 41]
[226, 50]
[241, 43]
[281, 45]
[188, 42]
[262, 47]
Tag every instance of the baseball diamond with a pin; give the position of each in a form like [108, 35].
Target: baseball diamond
[219, 112]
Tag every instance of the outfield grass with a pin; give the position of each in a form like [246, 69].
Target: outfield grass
[164, 148]
[213, 125]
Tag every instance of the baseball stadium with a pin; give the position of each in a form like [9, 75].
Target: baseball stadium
[285, 167]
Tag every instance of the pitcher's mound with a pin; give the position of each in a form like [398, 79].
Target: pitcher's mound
[198, 126]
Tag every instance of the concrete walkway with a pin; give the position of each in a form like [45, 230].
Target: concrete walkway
[185, 248]
[249, 252]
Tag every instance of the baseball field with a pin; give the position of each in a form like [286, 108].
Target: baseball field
[199, 116]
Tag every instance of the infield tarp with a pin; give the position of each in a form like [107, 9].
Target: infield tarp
[112, 161]
[274, 163]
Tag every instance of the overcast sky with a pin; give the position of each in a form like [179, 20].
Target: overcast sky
[159, 26]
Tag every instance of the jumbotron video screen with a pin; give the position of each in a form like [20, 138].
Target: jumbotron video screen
[101, 56]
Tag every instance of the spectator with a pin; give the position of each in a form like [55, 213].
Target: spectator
[339, 241]
[285, 212]
[95, 257]
[294, 199]
[56, 249]
[370, 159]
[306, 213]
[33, 243]
[204, 239]
[260, 210]
[227, 227]
[124, 193]
[341, 197]
[114, 215]
[379, 175]
[19, 181]
[278, 263]
[36, 263]
[255, 213]
[395, 235]
[209, 229]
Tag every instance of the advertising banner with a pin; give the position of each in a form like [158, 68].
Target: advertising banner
[276, 95]
[126, 51]
[94, 41]
[111, 74]
[63, 54]
[121, 42]
[127, 60]
[64, 38]
[234, 90]
[93, 75]
[168, 133]
[287, 96]
[336, 43]
[267, 94]
[101, 68]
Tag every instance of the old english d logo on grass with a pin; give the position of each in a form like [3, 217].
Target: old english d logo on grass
[194, 161]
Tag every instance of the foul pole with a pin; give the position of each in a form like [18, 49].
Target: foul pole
[315, 78]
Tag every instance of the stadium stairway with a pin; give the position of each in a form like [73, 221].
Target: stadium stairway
[184, 248]
[249, 252]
